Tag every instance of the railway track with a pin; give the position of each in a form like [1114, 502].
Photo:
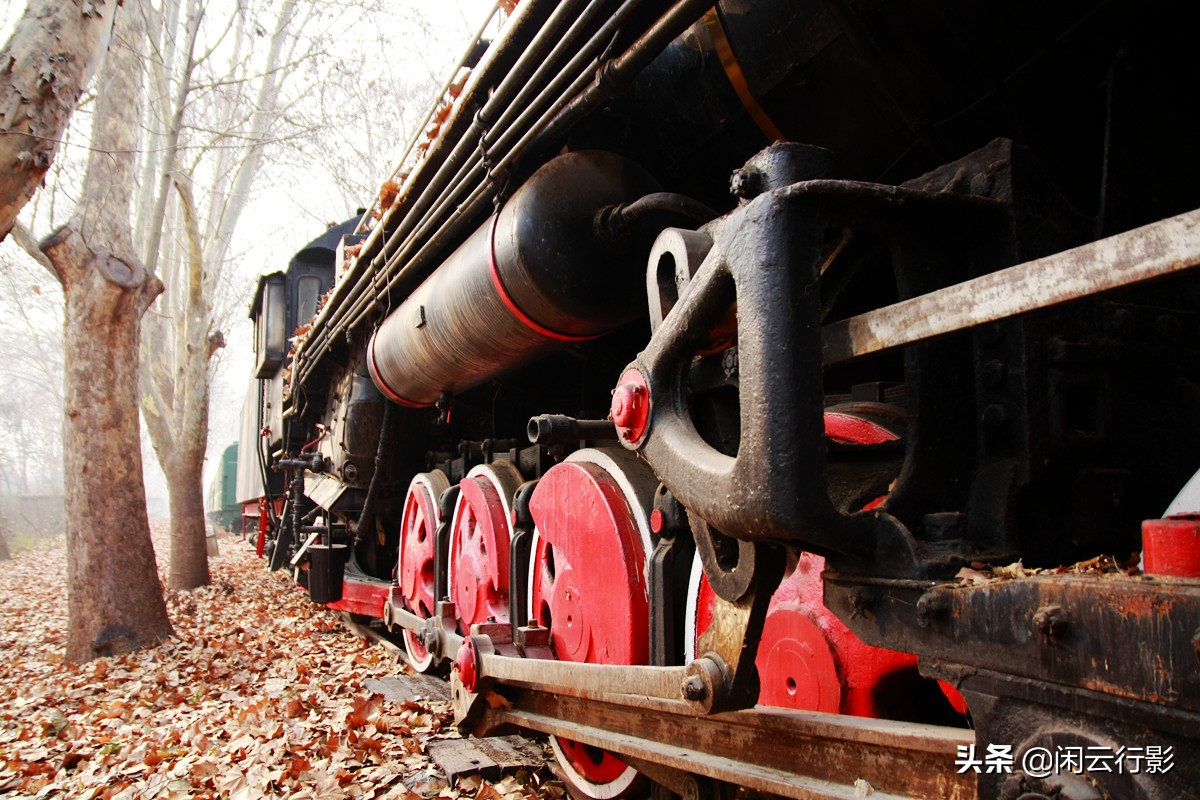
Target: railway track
[642, 717]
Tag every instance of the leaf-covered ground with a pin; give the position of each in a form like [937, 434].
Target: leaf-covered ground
[259, 695]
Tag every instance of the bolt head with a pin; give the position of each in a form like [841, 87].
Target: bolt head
[627, 401]
[465, 663]
[693, 688]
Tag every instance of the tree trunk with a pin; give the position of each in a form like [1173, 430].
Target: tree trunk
[175, 407]
[114, 598]
[49, 59]
[189, 537]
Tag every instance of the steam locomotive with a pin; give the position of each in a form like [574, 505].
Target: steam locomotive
[789, 395]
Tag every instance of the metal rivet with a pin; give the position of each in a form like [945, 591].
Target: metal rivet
[1050, 620]
[931, 607]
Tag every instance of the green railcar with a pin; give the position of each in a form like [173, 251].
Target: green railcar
[220, 502]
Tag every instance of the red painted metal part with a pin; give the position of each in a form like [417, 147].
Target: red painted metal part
[418, 548]
[1171, 546]
[480, 537]
[366, 598]
[588, 585]
[630, 408]
[467, 665]
[808, 659]
[258, 508]
[851, 429]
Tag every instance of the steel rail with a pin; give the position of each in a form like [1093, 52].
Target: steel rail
[1153, 251]
[804, 755]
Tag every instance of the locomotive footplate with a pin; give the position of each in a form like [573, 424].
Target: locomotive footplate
[1104, 666]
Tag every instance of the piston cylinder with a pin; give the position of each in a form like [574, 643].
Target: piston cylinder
[534, 278]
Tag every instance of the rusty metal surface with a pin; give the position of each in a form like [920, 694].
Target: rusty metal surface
[1152, 251]
[657, 688]
[789, 753]
[1129, 637]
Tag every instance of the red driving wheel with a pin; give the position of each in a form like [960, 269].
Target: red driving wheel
[480, 533]
[418, 556]
[588, 585]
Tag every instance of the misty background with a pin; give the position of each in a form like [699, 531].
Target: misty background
[367, 93]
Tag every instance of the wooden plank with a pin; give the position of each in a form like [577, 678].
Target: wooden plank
[489, 758]
[401, 688]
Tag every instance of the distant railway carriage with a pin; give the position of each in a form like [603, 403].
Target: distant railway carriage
[220, 504]
[716, 365]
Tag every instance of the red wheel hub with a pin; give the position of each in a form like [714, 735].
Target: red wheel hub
[415, 569]
[588, 583]
[630, 409]
[479, 543]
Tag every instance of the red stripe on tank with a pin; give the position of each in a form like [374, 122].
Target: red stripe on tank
[521, 316]
[388, 392]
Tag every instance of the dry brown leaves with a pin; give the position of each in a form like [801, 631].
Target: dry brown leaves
[260, 695]
[979, 574]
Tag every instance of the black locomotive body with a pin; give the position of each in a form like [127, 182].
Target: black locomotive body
[823, 355]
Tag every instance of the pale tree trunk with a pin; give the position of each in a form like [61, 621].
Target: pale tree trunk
[115, 600]
[180, 443]
[50, 57]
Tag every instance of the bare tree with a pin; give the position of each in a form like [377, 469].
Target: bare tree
[50, 57]
[229, 105]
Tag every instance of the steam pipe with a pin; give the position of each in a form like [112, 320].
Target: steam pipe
[551, 34]
[527, 17]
